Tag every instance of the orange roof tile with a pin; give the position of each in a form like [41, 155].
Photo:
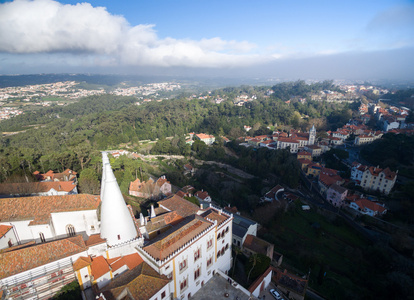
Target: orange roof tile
[131, 261]
[94, 239]
[183, 207]
[28, 188]
[4, 229]
[81, 263]
[24, 259]
[212, 214]
[99, 267]
[40, 207]
[177, 236]
[142, 283]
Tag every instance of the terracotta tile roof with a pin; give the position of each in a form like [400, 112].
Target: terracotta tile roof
[40, 207]
[255, 244]
[288, 140]
[28, 188]
[183, 207]
[81, 263]
[328, 180]
[202, 195]
[65, 175]
[142, 283]
[203, 136]
[99, 267]
[4, 229]
[259, 280]
[365, 203]
[131, 261]
[304, 161]
[31, 243]
[167, 219]
[212, 214]
[24, 259]
[94, 239]
[176, 237]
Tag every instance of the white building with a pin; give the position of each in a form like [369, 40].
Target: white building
[192, 247]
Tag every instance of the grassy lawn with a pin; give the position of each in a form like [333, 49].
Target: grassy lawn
[312, 241]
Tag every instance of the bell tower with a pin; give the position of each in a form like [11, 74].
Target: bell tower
[312, 135]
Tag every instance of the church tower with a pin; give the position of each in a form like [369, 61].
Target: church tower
[312, 135]
[117, 225]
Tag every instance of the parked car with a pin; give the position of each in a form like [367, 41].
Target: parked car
[275, 294]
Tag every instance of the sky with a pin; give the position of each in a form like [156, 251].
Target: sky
[354, 39]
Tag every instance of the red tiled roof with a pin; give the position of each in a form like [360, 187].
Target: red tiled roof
[4, 229]
[28, 188]
[141, 283]
[256, 244]
[94, 239]
[40, 207]
[176, 237]
[201, 194]
[287, 140]
[183, 207]
[212, 214]
[203, 136]
[131, 261]
[81, 263]
[24, 259]
[99, 267]
[365, 203]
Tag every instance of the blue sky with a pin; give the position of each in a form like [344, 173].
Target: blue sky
[217, 36]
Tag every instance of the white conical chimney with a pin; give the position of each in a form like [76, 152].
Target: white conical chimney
[117, 225]
[142, 219]
[152, 211]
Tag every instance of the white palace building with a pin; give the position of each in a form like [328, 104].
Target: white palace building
[48, 242]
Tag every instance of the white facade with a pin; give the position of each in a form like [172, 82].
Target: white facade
[195, 262]
[59, 225]
[8, 239]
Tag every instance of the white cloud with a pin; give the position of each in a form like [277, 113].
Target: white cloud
[46, 26]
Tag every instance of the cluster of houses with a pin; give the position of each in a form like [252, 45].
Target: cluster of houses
[331, 185]
[294, 140]
[48, 184]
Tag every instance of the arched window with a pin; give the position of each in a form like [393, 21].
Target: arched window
[70, 230]
[42, 237]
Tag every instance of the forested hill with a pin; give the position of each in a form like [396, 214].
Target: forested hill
[86, 106]
[58, 136]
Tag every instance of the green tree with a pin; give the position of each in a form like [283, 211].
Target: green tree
[88, 182]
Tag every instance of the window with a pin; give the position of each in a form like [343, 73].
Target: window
[183, 265]
[10, 243]
[70, 230]
[219, 236]
[92, 227]
[42, 237]
[196, 274]
[183, 284]
[227, 246]
[209, 243]
[227, 229]
[163, 295]
[209, 262]
[197, 254]
[119, 237]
